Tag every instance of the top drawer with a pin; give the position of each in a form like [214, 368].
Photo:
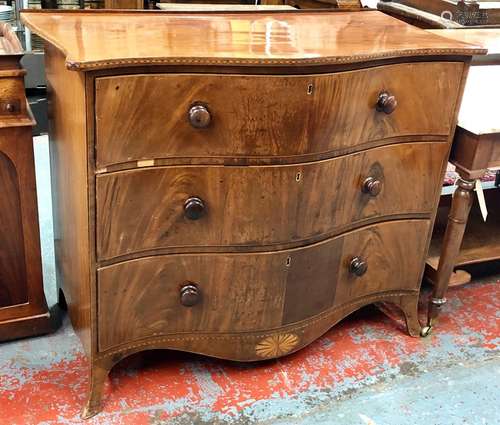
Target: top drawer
[148, 116]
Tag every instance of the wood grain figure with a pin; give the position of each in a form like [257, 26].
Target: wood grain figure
[143, 209]
[257, 116]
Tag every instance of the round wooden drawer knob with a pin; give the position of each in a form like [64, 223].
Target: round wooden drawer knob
[194, 208]
[358, 266]
[199, 116]
[372, 186]
[190, 295]
[386, 103]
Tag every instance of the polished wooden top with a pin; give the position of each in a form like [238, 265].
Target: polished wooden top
[109, 39]
[489, 38]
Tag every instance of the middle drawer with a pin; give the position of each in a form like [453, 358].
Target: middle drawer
[209, 206]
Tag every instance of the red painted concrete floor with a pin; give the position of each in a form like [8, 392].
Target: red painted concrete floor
[364, 371]
[43, 380]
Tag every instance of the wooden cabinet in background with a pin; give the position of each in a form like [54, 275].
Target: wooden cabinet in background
[124, 4]
[237, 192]
[324, 4]
[23, 309]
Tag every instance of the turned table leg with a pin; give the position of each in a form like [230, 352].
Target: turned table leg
[457, 220]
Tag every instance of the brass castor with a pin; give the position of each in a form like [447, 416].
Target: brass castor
[426, 331]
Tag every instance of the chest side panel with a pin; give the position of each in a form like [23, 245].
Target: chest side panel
[70, 191]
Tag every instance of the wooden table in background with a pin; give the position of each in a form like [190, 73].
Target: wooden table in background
[443, 13]
[476, 147]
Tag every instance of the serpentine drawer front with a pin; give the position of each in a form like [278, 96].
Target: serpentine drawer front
[146, 209]
[260, 116]
[236, 191]
[169, 294]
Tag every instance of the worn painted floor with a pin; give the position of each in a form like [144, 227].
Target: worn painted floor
[364, 371]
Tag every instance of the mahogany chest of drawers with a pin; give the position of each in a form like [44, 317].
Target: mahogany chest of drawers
[235, 184]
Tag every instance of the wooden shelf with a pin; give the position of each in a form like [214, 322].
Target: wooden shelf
[481, 242]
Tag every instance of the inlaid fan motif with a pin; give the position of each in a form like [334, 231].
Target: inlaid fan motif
[276, 345]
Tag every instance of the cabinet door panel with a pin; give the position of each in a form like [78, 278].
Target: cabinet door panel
[13, 288]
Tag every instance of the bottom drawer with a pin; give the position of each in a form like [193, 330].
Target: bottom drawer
[237, 292]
